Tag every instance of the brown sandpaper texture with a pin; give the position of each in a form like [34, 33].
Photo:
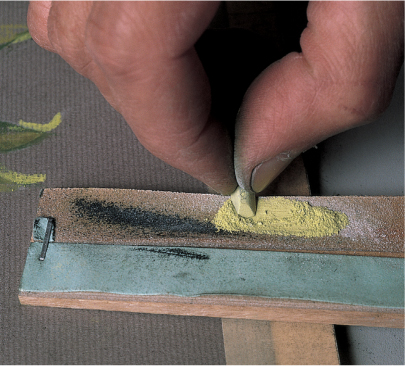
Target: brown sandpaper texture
[108, 216]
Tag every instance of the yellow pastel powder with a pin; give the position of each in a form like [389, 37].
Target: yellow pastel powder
[21, 179]
[55, 122]
[280, 216]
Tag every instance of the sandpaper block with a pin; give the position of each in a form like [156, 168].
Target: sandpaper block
[160, 252]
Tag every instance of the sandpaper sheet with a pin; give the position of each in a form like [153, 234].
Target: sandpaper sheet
[375, 224]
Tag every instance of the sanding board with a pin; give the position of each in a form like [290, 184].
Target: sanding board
[258, 342]
[156, 252]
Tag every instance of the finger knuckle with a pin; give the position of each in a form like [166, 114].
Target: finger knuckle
[100, 42]
[363, 101]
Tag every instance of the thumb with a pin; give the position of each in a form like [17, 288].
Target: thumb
[344, 76]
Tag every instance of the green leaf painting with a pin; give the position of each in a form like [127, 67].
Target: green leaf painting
[13, 33]
[24, 134]
[11, 181]
[14, 137]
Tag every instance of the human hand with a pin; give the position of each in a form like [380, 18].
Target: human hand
[344, 77]
[141, 57]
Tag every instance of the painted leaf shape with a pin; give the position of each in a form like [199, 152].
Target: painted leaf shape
[7, 186]
[14, 137]
[21, 37]
[55, 122]
[9, 34]
[11, 181]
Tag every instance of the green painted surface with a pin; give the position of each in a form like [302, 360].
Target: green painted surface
[121, 269]
[13, 137]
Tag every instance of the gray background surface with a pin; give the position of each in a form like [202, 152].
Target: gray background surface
[94, 147]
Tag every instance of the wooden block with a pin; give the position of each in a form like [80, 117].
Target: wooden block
[249, 341]
[264, 285]
[136, 221]
[252, 342]
[177, 271]
[225, 306]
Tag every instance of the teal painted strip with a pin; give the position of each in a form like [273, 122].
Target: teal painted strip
[372, 281]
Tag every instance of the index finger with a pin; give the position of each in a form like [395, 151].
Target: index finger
[145, 50]
[37, 21]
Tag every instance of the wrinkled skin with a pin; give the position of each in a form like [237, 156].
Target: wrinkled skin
[141, 56]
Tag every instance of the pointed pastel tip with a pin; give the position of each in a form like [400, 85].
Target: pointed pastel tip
[244, 202]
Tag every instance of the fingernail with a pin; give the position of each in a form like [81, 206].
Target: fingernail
[267, 171]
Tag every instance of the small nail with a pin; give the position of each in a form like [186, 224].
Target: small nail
[269, 170]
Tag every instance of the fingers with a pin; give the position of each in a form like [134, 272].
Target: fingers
[60, 27]
[145, 50]
[141, 56]
[345, 75]
[37, 21]
[67, 25]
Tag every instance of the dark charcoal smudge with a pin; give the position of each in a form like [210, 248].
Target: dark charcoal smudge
[134, 217]
[175, 252]
[36, 224]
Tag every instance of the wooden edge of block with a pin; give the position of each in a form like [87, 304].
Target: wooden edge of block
[259, 342]
[239, 307]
